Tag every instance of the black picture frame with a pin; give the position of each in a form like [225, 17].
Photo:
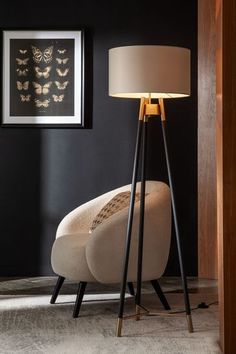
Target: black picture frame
[73, 115]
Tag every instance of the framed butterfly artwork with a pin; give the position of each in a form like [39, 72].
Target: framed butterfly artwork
[43, 78]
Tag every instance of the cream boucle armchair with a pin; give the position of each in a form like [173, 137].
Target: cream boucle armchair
[85, 257]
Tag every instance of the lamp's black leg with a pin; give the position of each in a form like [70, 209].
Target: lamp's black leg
[129, 229]
[141, 220]
[56, 290]
[181, 263]
[131, 288]
[79, 298]
[160, 294]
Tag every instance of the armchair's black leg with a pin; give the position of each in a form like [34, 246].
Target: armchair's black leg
[131, 288]
[79, 298]
[56, 290]
[160, 293]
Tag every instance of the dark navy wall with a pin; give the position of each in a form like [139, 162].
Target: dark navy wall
[45, 173]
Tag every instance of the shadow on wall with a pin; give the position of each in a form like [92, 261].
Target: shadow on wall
[35, 165]
[20, 181]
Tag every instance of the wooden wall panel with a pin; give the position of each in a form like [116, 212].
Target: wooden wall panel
[217, 99]
[207, 224]
[219, 159]
[226, 168]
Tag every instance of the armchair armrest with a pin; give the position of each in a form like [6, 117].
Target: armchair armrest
[80, 219]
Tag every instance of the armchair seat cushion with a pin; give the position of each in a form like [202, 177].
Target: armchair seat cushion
[69, 258]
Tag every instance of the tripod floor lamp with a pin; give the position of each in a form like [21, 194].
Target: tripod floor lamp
[148, 72]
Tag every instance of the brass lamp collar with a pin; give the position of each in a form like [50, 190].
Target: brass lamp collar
[147, 108]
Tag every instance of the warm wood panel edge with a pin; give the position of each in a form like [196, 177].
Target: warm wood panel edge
[207, 229]
[226, 166]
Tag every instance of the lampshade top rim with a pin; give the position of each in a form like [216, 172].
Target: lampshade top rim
[149, 45]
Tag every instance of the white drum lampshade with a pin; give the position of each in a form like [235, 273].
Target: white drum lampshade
[143, 70]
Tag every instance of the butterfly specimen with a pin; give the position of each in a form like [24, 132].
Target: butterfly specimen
[61, 85]
[58, 98]
[62, 61]
[23, 51]
[22, 72]
[42, 73]
[44, 103]
[62, 72]
[42, 89]
[24, 98]
[44, 55]
[22, 61]
[22, 85]
[61, 51]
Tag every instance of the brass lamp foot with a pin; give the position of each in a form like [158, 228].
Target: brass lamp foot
[119, 327]
[137, 312]
[190, 323]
